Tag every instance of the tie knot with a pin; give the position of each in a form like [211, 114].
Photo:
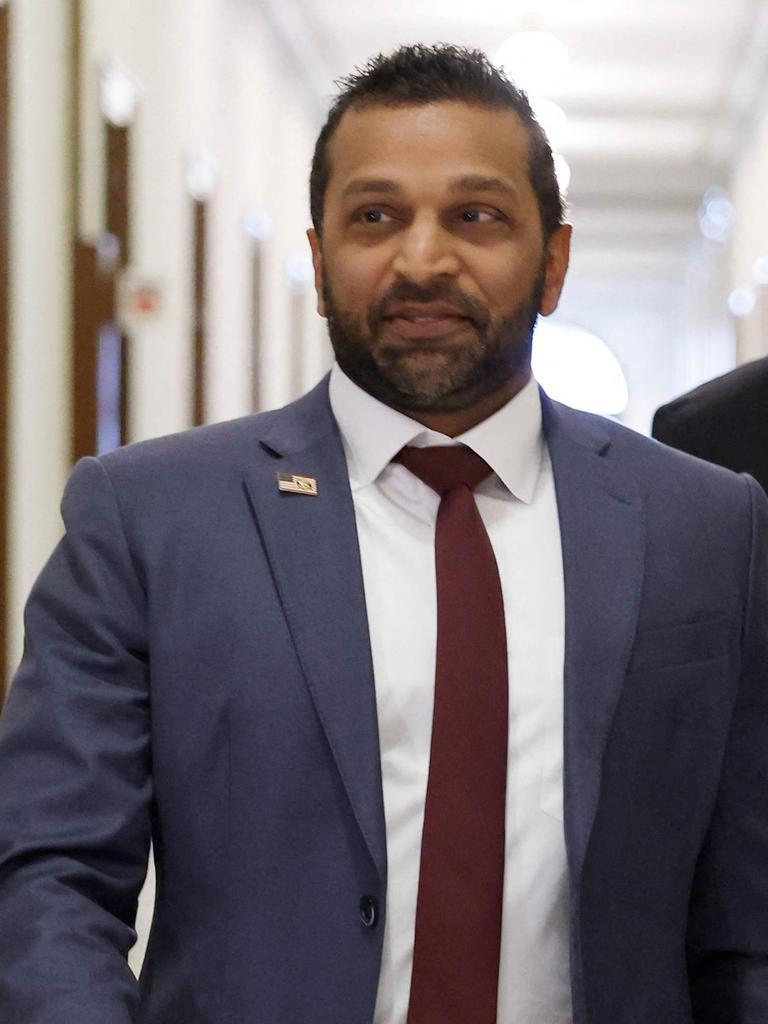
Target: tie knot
[445, 467]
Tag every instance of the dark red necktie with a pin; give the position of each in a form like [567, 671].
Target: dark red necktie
[458, 913]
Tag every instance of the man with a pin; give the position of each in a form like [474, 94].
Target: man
[723, 421]
[486, 748]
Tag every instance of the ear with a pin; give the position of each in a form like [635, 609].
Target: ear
[558, 251]
[317, 263]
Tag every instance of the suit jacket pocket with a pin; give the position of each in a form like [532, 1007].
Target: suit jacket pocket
[678, 688]
[679, 644]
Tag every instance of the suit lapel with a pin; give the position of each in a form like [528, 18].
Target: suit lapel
[602, 534]
[311, 544]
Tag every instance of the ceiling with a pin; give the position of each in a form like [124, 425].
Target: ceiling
[660, 94]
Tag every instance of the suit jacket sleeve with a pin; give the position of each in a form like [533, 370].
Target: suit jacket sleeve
[673, 424]
[728, 922]
[75, 777]
[664, 427]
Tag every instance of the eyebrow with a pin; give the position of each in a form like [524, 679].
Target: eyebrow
[361, 186]
[467, 183]
[479, 183]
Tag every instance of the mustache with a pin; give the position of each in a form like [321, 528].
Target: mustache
[409, 291]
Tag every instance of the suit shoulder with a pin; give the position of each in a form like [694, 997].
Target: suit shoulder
[682, 486]
[209, 445]
[655, 465]
[725, 395]
[227, 444]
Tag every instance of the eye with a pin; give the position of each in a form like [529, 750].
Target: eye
[373, 215]
[475, 216]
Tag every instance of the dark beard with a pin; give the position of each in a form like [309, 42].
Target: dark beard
[491, 355]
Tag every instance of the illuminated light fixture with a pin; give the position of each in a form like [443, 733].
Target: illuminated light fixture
[760, 270]
[716, 215]
[535, 61]
[299, 268]
[576, 367]
[552, 119]
[562, 173]
[119, 95]
[742, 301]
[259, 226]
[201, 177]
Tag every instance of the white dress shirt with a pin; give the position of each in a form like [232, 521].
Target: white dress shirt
[395, 514]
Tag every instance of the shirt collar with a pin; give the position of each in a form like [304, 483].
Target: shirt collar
[510, 441]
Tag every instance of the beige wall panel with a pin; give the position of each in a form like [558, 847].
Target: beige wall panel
[40, 301]
[265, 139]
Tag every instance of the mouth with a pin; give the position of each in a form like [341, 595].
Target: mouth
[428, 325]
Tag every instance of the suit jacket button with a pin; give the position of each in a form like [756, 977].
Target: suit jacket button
[368, 911]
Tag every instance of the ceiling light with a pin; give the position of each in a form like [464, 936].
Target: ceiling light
[716, 215]
[259, 225]
[742, 301]
[298, 266]
[535, 61]
[201, 177]
[119, 95]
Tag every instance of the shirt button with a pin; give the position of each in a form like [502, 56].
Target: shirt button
[368, 911]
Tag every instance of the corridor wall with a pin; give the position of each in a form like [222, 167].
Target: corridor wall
[214, 89]
[40, 385]
[750, 240]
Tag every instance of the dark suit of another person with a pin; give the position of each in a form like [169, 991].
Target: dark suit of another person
[723, 421]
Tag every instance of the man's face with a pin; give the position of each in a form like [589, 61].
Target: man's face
[432, 266]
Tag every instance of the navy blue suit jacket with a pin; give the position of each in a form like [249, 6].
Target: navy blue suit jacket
[197, 669]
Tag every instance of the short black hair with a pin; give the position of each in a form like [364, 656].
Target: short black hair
[418, 74]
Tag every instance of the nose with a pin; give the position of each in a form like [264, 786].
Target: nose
[426, 250]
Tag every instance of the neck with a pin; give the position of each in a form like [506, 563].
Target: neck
[459, 421]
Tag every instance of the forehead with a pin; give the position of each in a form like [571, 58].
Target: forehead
[428, 144]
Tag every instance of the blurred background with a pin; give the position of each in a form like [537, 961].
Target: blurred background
[154, 157]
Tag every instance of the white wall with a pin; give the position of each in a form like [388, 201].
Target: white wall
[661, 309]
[640, 318]
[40, 305]
[212, 81]
[212, 84]
[750, 240]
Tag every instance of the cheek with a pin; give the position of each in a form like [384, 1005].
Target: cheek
[505, 283]
[357, 282]
[499, 292]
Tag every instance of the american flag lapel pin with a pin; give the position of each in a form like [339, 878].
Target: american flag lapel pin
[292, 484]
